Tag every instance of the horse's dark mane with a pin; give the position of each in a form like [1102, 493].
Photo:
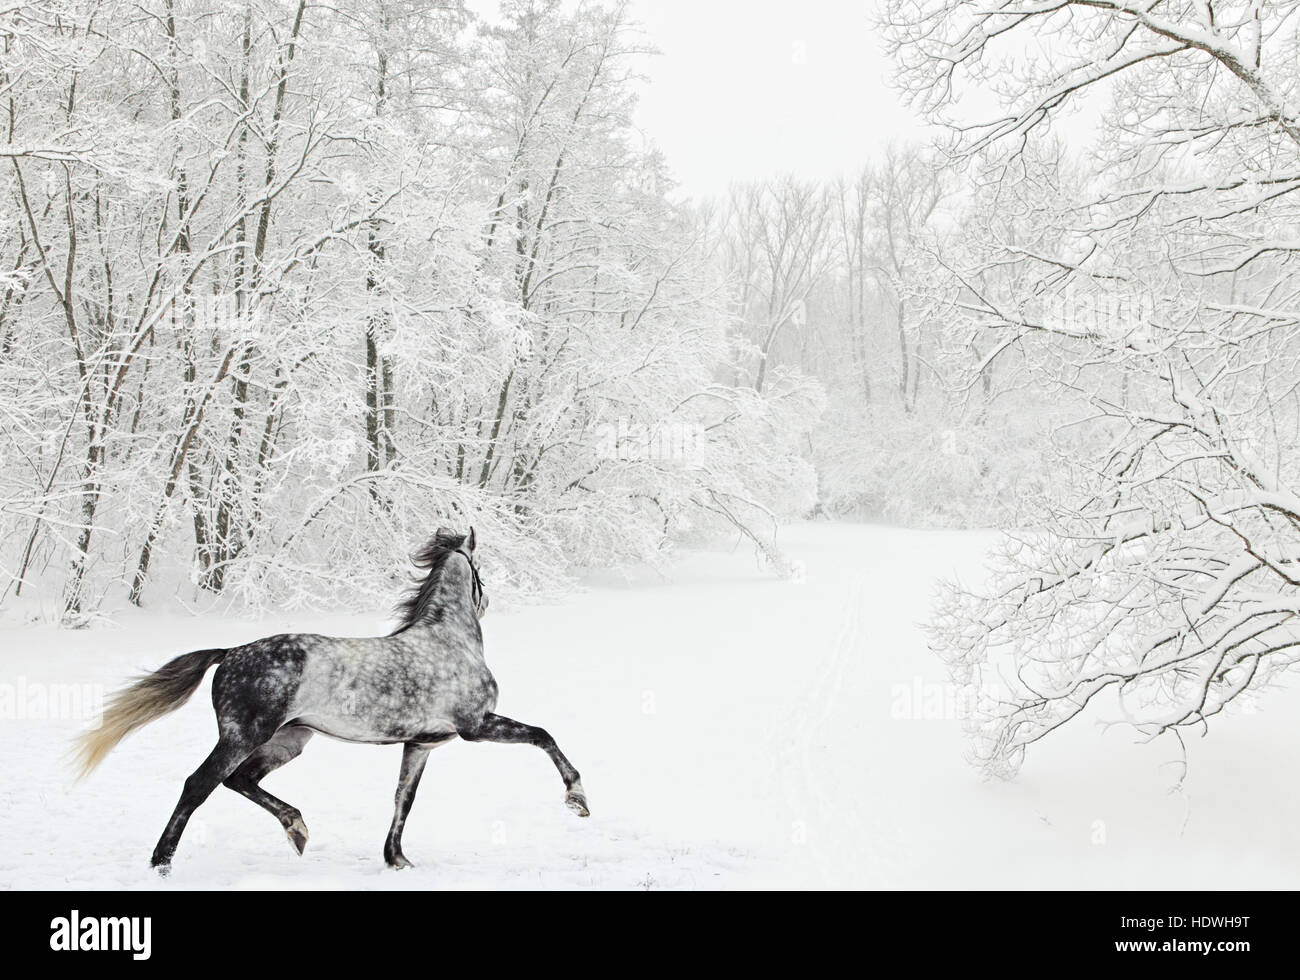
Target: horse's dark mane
[432, 558]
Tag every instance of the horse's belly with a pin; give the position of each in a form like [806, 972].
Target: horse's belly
[350, 729]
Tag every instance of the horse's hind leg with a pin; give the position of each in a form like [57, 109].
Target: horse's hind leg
[285, 746]
[414, 756]
[497, 728]
[231, 750]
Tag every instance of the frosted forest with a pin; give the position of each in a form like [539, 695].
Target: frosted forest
[286, 286]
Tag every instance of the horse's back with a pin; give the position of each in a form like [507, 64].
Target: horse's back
[380, 689]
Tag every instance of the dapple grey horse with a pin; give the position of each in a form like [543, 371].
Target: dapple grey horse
[421, 686]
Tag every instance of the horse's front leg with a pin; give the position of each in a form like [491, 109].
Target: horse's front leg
[414, 756]
[497, 728]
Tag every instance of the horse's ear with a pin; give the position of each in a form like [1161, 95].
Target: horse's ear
[469, 542]
[444, 532]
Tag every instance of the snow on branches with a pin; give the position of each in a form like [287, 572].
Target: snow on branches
[283, 287]
[1151, 286]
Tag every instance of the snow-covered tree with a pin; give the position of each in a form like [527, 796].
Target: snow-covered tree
[1153, 289]
[283, 287]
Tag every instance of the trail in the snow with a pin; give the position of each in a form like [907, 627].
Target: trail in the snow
[830, 815]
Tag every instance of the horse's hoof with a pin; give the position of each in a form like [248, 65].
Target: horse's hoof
[576, 800]
[164, 868]
[297, 833]
[398, 862]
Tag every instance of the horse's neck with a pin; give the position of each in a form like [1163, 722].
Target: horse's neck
[440, 613]
[451, 601]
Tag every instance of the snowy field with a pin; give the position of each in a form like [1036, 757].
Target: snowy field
[732, 731]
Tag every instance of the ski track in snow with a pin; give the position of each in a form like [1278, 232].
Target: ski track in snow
[733, 731]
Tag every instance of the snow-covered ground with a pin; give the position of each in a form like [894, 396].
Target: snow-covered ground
[733, 731]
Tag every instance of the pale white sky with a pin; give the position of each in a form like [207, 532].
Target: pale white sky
[745, 89]
[748, 88]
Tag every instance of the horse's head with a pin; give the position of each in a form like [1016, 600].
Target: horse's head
[431, 593]
[465, 545]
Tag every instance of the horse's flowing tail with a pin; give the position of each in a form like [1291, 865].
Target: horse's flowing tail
[148, 699]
